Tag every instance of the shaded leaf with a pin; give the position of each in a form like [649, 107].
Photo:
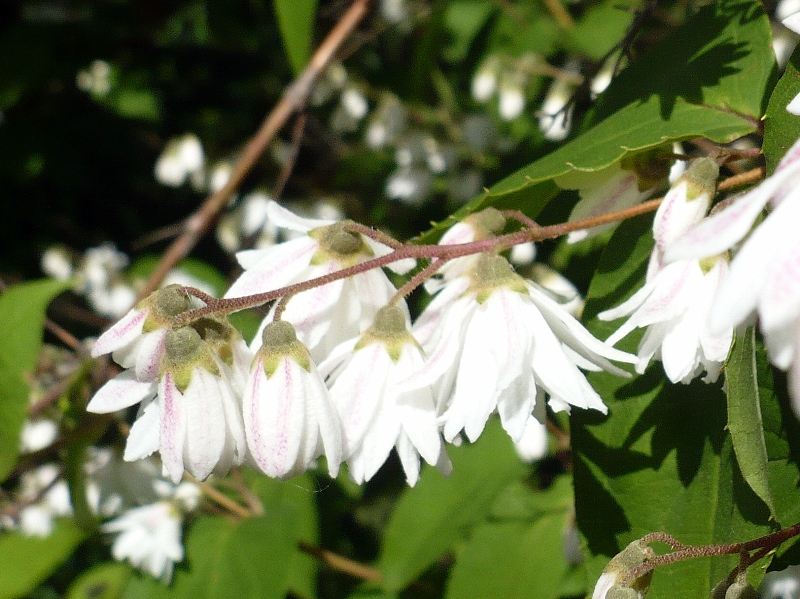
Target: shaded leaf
[296, 22]
[439, 511]
[104, 581]
[22, 314]
[744, 416]
[781, 128]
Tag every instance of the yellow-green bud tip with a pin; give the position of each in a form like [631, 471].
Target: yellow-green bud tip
[488, 222]
[620, 592]
[741, 590]
[337, 240]
[389, 320]
[182, 345]
[278, 335]
[170, 301]
[701, 177]
[493, 269]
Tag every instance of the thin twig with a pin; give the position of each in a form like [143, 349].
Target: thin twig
[219, 498]
[294, 97]
[341, 563]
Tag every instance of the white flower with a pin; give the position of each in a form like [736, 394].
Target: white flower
[37, 434]
[56, 263]
[532, 446]
[289, 419]
[511, 96]
[183, 156]
[784, 584]
[497, 342]
[484, 82]
[616, 187]
[326, 248]
[377, 409]
[50, 494]
[411, 185]
[675, 302]
[149, 538]
[555, 115]
[137, 340]
[764, 275]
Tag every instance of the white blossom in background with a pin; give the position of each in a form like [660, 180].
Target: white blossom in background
[219, 175]
[387, 123]
[149, 536]
[764, 277]
[484, 82]
[616, 187]
[45, 496]
[100, 280]
[675, 302]
[181, 158]
[555, 116]
[410, 185]
[784, 584]
[57, 263]
[511, 95]
[496, 342]
[333, 79]
[37, 434]
[289, 417]
[785, 36]
[95, 80]
[377, 409]
[324, 247]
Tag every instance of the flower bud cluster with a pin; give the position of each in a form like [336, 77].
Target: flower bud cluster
[343, 373]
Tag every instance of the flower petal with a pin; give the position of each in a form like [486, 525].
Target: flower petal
[173, 427]
[286, 219]
[124, 332]
[121, 392]
[285, 264]
[143, 438]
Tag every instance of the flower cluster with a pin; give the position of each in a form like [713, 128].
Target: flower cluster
[338, 370]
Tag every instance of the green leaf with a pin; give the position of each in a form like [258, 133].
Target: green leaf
[296, 22]
[781, 128]
[22, 314]
[103, 581]
[744, 416]
[517, 558]
[143, 267]
[712, 77]
[662, 459]
[249, 558]
[464, 20]
[438, 511]
[27, 561]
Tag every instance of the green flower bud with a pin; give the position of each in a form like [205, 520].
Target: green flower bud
[701, 178]
[620, 592]
[487, 222]
[493, 271]
[741, 590]
[185, 350]
[164, 305]
[279, 340]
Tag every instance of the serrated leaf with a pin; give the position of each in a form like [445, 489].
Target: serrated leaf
[719, 62]
[516, 558]
[103, 581]
[249, 558]
[27, 561]
[296, 23]
[662, 459]
[439, 511]
[782, 128]
[22, 314]
[744, 416]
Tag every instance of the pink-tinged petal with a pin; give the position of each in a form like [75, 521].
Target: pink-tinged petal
[284, 265]
[149, 354]
[429, 323]
[124, 332]
[779, 304]
[248, 259]
[357, 390]
[286, 219]
[721, 231]
[121, 392]
[458, 233]
[326, 421]
[143, 439]
[205, 424]
[677, 214]
[794, 375]
[373, 290]
[309, 311]
[173, 427]
[753, 265]
[673, 289]
[792, 155]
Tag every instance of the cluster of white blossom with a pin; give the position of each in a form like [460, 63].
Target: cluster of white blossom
[144, 511]
[343, 373]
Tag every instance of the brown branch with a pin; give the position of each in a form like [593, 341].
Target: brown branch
[341, 563]
[294, 97]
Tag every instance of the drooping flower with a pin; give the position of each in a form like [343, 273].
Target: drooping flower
[376, 408]
[764, 275]
[675, 302]
[325, 247]
[497, 342]
[289, 418]
[191, 410]
[613, 582]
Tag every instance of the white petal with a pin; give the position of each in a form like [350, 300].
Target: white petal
[122, 391]
[143, 439]
[533, 444]
[125, 331]
[205, 423]
[285, 264]
[149, 354]
[173, 427]
[286, 219]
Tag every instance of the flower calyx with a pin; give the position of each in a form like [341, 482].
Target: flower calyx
[218, 333]
[487, 223]
[337, 243]
[741, 590]
[492, 272]
[185, 350]
[700, 178]
[279, 340]
[616, 577]
[389, 328]
[163, 305]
